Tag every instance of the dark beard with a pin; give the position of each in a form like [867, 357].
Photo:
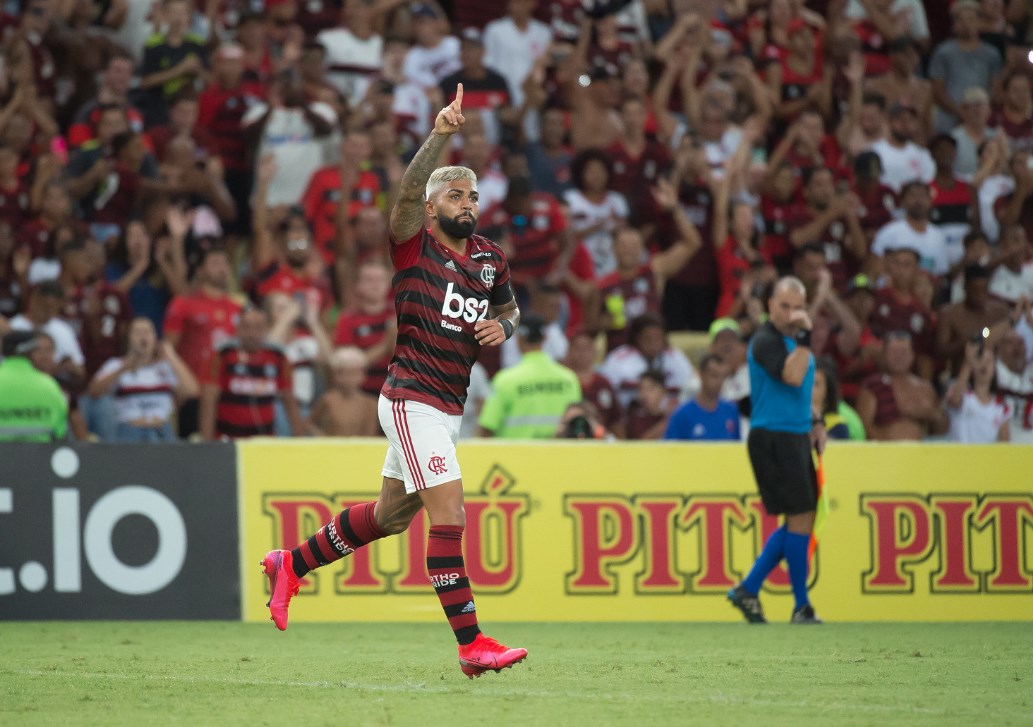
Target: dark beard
[457, 229]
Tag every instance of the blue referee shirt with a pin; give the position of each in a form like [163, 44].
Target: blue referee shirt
[774, 404]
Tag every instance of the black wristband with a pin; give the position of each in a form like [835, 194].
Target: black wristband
[815, 422]
[507, 327]
[803, 338]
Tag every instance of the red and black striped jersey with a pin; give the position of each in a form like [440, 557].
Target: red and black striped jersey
[249, 382]
[535, 237]
[365, 330]
[951, 205]
[439, 296]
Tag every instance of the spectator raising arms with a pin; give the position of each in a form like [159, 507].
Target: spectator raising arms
[977, 414]
[146, 383]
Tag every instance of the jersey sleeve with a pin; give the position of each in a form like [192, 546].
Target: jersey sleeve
[406, 253]
[501, 290]
[770, 351]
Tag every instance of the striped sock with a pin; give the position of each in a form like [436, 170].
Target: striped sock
[350, 530]
[448, 575]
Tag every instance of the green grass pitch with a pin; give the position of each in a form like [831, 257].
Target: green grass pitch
[134, 673]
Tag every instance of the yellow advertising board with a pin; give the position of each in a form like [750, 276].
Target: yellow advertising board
[564, 531]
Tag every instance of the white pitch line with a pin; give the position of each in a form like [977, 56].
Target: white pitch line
[410, 687]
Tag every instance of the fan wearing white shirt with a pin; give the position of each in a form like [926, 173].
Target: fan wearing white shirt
[1015, 384]
[595, 210]
[902, 159]
[513, 43]
[354, 50]
[146, 385]
[915, 232]
[1013, 278]
[977, 414]
[435, 54]
[648, 350]
[45, 303]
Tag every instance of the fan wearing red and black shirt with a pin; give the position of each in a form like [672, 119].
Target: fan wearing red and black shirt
[238, 398]
[99, 312]
[878, 201]
[1014, 116]
[831, 220]
[638, 160]
[484, 89]
[196, 324]
[691, 295]
[370, 323]
[113, 89]
[453, 297]
[532, 229]
[284, 261]
[777, 205]
[221, 107]
[636, 287]
[806, 146]
[353, 182]
[14, 194]
[797, 78]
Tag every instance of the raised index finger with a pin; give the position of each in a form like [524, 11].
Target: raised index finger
[458, 103]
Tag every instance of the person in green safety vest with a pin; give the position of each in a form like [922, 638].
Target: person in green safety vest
[32, 407]
[529, 398]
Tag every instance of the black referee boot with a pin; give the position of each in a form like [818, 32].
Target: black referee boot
[748, 603]
[805, 615]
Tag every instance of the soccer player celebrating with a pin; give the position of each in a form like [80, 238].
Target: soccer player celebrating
[453, 295]
[783, 430]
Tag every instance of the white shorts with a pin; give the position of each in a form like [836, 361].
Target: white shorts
[423, 443]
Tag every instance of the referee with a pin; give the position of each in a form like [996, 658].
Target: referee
[782, 431]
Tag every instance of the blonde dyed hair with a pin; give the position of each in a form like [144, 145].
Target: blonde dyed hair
[448, 174]
[348, 357]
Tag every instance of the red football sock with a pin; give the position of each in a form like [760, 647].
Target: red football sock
[350, 530]
[448, 575]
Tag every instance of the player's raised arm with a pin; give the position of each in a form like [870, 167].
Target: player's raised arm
[410, 208]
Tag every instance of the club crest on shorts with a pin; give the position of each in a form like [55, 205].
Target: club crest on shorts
[437, 465]
[488, 275]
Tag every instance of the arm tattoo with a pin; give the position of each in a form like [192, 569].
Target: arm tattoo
[509, 311]
[408, 212]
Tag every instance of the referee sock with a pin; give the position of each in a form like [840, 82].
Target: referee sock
[447, 572]
[770, 556]
[354, 527]
[797, 545]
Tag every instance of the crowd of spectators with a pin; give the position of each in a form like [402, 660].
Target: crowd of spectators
[193, 203]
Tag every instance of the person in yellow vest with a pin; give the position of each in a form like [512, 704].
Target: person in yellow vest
[529, 398]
